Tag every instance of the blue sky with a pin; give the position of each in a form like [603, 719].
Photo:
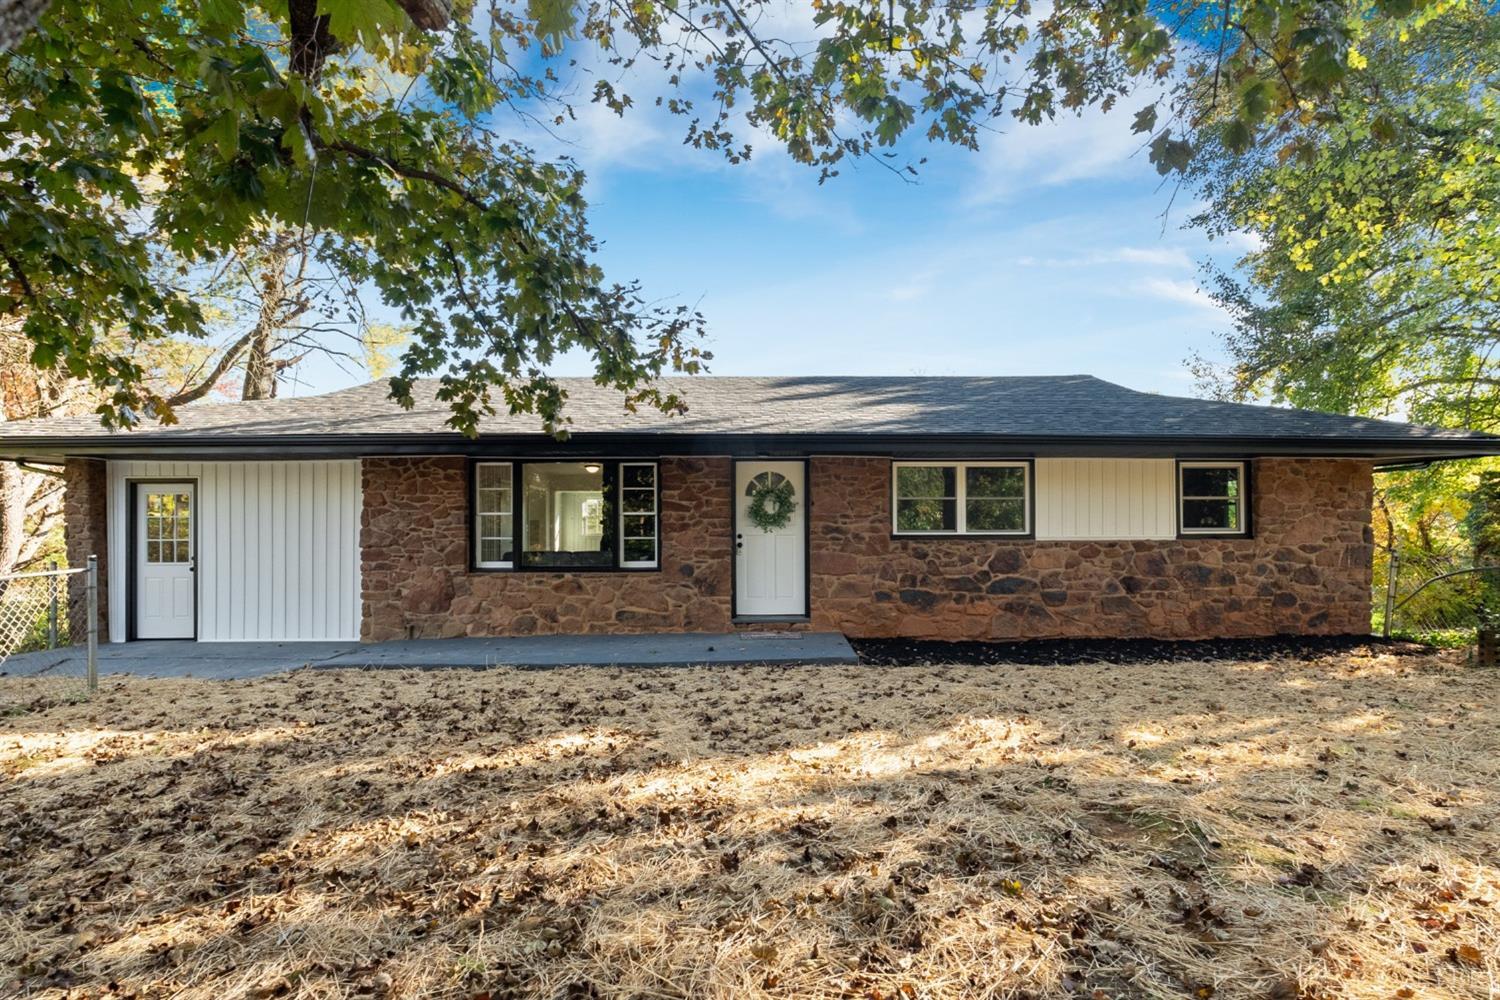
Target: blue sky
[1044, 252]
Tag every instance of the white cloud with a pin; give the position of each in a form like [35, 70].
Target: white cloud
[1242, 242]
[915, 286]
[648, 138]
[1162, 256]
[1184, 292]
[1070, 148]
[1149, 256]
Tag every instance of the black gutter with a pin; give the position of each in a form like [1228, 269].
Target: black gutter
[209, 446]
[56, 471]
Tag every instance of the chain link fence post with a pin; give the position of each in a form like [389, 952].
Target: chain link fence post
[52, 605]
[1392, 566]
[93, 587]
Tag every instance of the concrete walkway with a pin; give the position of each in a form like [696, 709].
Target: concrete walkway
[238, 660]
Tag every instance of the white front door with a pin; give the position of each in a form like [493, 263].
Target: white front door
[770, 566]
[164, 554]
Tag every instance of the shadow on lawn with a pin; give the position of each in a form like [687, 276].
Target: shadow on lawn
[809, 832]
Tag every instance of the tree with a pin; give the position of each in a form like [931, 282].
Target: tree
[206, 120]
[1375, 284]
[30, 497]
[268, 309]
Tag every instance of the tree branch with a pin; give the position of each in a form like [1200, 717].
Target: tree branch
[205, 386]
[401, 169]
[429, 15]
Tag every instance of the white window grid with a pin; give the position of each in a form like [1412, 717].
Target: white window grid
[961, 489]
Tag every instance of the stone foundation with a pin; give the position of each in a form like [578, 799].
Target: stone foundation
[1305, 571]
[85, 501]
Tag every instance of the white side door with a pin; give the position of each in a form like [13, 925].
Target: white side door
[770, 566]
[165, 516]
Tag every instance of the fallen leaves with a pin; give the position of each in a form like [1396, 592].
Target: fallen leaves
[1467, 954]
[820, 833]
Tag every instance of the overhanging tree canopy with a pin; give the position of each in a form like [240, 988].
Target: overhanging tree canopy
[131, 123]
[1375, 284]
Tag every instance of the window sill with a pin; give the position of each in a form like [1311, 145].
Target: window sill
[562, 570]
[967, 536]
[1188, 536]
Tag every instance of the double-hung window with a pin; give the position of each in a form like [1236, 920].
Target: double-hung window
[1211, 498]
[961, 498]
[566, 515]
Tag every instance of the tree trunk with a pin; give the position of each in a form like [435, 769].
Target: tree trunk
[12, 516]
[260, 364]
[17, 18]
[1484, 525]
[30, 502]
[260, 370]
[30, 508]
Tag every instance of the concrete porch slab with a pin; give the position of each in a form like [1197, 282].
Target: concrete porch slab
[660, 650]
[177, 658]
[240, 660]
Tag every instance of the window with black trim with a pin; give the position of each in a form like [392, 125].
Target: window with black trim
[1211, 498]
[961, 498]
[638, 515]
[566, 515]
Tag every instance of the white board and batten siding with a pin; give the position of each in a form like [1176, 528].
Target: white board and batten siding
[1106, 498]
[277, 547]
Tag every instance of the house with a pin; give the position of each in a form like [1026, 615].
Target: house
[951, 508]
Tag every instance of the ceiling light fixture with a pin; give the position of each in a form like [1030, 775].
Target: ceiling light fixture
[591, 468]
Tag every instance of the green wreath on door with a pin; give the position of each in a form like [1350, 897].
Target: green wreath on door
[772, 502]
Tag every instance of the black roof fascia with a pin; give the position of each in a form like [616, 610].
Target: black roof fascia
[1385, 451]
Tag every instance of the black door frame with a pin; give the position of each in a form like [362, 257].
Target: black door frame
[132, 558]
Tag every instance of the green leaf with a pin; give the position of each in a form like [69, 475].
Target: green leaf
[44, 355]
[362, 22]
[1237, 136]
[1255, 100]
[297, 142]
[1170, 154]
[1145, 119]
[224, 133]
[553, 21]
[221, 15]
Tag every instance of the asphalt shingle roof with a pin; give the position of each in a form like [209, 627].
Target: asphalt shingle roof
[1064, 406]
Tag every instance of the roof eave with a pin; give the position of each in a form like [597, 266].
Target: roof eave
[1382, 451]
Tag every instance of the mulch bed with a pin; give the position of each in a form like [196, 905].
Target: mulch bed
[912, 652]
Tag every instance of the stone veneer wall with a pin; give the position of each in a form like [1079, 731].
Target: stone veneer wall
[85, 502]
[414, 542]
[1306, 570]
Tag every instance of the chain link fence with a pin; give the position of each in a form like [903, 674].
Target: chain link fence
[49, 635]
[1445, 598]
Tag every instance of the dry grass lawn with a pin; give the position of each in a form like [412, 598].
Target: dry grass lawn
[1274, 829]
